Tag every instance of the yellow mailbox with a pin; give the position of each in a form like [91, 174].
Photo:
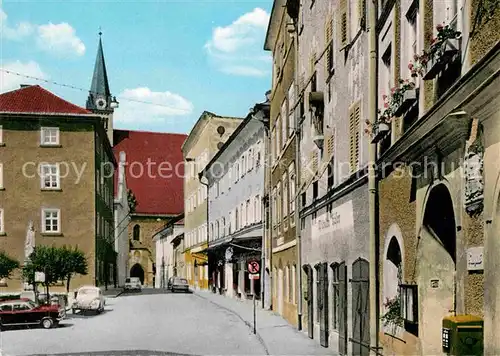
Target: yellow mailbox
[463, 335]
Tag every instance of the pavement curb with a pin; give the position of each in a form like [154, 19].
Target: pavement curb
[246, 322]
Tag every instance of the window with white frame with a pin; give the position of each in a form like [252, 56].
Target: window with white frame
[285, 195]
[50, 177]
[284, 123]
[291, 186]
[217, 229]
[230, 222]
[243, 215]
[278, 201]
[273, 207]
[49, 135]
[51, 220]
[2, 226]
[248, 213]
[291, 102]
[1, 135]
[243, 165]
[386, 76]
[278, 136]
[250, 159]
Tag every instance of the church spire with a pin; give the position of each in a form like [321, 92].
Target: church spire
[100, 96]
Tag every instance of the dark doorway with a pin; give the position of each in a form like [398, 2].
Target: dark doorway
[342, 312]
[309, 299]
[323, 303]
[137, 271]
[360, 307]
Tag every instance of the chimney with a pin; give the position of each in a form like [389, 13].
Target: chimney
[25, 85]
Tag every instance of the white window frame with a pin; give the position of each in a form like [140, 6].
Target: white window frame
[250, 159]
[284, 123]
[43, 136]
[2, 226]
[51, 175]
[291, 102]
[291, 187]
[44, 226]
[286, 183]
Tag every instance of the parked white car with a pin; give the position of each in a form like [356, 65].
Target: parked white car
[133, 283]
[89, 298]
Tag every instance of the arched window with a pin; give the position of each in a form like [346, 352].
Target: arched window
[217, 229]
[236, 224]
[137, 232]
[223, 232]
[212, 231]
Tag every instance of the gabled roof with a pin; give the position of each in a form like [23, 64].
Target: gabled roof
[155, 195]
[35, 99]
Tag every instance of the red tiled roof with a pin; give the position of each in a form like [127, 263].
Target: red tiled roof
[154, 194]
[35, 99]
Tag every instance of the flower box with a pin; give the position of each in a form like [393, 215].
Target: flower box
[409, 97]
[443, 55]
[380, 131]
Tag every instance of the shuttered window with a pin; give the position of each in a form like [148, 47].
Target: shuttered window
[343, 23]
[354, 136]
[329, 46]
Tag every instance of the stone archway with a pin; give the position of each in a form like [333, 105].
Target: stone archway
[436, 266]
[137, 271]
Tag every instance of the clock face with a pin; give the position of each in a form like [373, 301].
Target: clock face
[100, 103]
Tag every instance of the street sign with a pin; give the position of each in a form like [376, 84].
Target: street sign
[253, 267]
[253, 276]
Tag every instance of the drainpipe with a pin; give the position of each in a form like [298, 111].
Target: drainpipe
[298, 238]
[200, 175]
[372, 182]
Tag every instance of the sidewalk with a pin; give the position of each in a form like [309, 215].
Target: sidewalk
[277, 336]
[112, 292]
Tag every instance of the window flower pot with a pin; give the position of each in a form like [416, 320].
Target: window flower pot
[409, 97]
[444, 54]
[380, 131]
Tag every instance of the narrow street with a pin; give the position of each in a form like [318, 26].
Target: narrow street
[143, 323]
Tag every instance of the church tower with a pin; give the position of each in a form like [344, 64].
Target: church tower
[100, 100]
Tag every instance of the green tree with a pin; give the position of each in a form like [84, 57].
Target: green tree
[73, 261]
[7, 265]
[46, 259]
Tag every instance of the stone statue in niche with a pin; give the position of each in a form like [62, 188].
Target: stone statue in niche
[474, 181]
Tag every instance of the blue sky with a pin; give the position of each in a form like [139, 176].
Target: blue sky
[188, 56]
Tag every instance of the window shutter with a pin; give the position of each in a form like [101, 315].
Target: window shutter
[315, 162]
[354, 120]
[330, 146]
[328, 43]
[343, 20]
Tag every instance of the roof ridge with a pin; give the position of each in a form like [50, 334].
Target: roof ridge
[152, 132]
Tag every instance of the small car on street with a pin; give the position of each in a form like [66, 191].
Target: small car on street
[133, 283]
[177, 284]
[26, 312]
[88, 298]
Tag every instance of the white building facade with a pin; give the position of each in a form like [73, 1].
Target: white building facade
[236, 185]
[165, 259]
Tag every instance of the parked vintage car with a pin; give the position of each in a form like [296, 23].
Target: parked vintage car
[133, 283]
[177, 284]
[88, 298]
[26, 312]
